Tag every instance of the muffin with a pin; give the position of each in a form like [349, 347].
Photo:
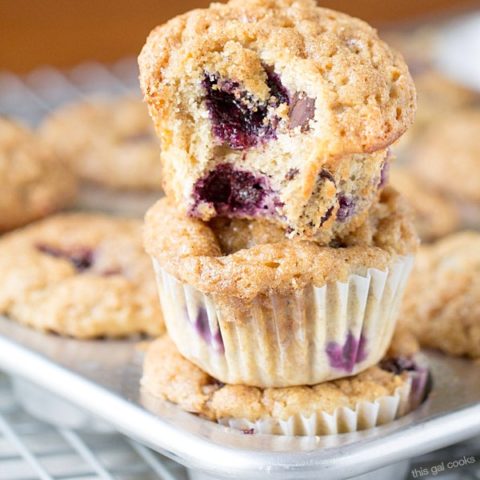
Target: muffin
[112, 148]
[79, 275]
[275, 109]
[417, 45]
[374, 397]
[442, 303]
[35, 181]
[439, 96]
[434, 215]
[448, 158]
[249, 306]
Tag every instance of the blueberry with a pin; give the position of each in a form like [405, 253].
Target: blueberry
[346, 207]
[234, 191]
[345, 356]
[202, 326]
[80, 257]
[398, 365]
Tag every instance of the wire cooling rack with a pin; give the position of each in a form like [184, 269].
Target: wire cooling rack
[31, 449]
[29, 98]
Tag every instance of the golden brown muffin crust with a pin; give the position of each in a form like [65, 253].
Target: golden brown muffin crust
[35, 182]
[434, 215]
[448, 156]
[170, 376]
[191, 250]
[81, 275]
[442, 301]
[368, 94]
[107, 142]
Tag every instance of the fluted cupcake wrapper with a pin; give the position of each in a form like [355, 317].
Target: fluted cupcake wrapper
[301, 338]
[363, 416]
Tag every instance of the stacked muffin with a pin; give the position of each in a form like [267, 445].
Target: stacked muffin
[281, 253]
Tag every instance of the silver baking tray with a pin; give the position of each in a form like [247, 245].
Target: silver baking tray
[102, 378]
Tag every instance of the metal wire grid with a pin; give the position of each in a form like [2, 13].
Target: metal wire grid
[31, 450]
[31, 97]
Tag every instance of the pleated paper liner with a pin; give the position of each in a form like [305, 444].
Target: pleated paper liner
[302, 338]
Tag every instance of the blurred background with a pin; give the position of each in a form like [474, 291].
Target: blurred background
[63, 33]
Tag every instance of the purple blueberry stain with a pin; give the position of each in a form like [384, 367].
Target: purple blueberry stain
[202, 327]
[302, 110]
[239, 120]
[419, 376]
[277, 89]
[344, 357]
[398, 365]
[81, 258]
[346, 207]
[234, 191]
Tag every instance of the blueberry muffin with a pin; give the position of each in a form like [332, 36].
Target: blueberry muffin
[442, 303]
[434, 215]
[79, 275]
[250, 306]
[35, 182]
[448, 158]
[274, 108]
[439, 96]
[417, 45]
[374, 397]
[107, 142]
[112, 148]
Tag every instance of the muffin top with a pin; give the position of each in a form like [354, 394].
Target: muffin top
[442, 302]
[34, 180]
[244, 258]
[81, 275]
[108, 142]
[434, 215]
[170, 376]
[448, 155]
[296, 50]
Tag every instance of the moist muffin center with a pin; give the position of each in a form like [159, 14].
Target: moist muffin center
[235, 191]
[240, 121]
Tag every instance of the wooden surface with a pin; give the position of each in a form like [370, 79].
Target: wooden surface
[66, 32]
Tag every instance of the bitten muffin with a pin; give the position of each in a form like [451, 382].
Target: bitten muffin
[374, 397]
[250, 306]
[448, 157]
[107, 142]
[442, 304]
[34, 180]
[79, 275]
[434, 215]
[274, 108]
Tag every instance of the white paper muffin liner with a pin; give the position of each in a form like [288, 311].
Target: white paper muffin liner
[363, 416]
[279, 340]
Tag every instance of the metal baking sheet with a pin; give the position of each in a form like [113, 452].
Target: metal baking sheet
[102, 377]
